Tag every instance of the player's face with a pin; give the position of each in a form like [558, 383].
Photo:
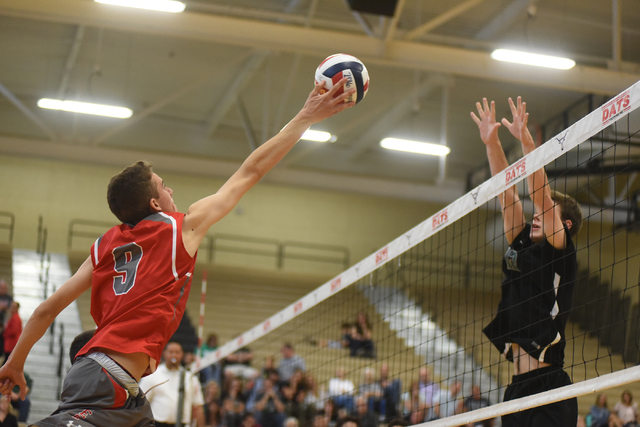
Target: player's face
[165, 200]
[537, 232]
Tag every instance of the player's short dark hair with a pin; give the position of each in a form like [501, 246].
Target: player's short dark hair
[130, 191]
[78, 342]
[569, 210]
[348, 419]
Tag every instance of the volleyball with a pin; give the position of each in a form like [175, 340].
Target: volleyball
[337, 66]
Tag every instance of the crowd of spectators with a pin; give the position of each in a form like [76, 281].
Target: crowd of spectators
[12, 407]
[287, 396]
[623, 414]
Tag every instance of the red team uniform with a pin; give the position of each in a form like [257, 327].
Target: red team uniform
[140, 272]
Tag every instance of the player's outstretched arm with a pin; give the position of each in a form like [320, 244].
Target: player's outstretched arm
[206, 212]
[11, 373]
[537, 182]
[512, 213]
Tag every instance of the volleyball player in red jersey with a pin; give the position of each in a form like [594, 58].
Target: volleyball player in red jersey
[140, 275]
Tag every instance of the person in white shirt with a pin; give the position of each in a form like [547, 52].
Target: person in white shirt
[162, 390]
[341, 390]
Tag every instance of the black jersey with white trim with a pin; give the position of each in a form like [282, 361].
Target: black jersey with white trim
[536, 295]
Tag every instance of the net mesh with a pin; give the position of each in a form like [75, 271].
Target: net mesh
[418, 306]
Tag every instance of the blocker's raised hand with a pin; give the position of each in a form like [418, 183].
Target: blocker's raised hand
[486, 121]
[320, 106]
[520, 119]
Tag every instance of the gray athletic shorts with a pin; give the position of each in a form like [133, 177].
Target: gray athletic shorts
[92, 397]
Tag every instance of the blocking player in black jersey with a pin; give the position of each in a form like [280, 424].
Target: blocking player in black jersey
[539, 273]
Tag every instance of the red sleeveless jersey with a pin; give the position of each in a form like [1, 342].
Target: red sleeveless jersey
[140, 285]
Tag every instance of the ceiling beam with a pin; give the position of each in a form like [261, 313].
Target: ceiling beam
[71, 62]
[503, 19]
[318, 42]
[27, 112]
[230, 96]
[440, 19]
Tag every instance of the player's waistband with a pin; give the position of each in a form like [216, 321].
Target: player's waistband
[130, 384]
[536, 373]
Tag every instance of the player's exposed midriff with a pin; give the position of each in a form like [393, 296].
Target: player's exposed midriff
[136, 364]
[523, 362]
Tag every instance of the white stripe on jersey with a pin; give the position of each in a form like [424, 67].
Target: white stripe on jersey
[95, 249]
[555, 310]
[174, 244]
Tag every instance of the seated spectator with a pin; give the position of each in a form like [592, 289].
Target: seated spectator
[313, 394]
[476, 401]
[319, 421]
[448, 402]
[6, 418]
[291, 422]
[302, 409]
[269, 408]
[235, 396]
[367, 417]
[348, 422]
[412, 401]
[417, 416]
[238, 364]
[211, 372]
[329, 413]
[371, 391]
[248, 420]
[391, 391]
[342, 343]
[428, 388]
[341, 390]
[599, 414]
[290, 362]
[361, 338]
[625, 413]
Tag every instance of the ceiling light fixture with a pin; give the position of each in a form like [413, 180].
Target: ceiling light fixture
[159, 5]
[86, 108]
[415, 147]
[319, 136]
[533, 59]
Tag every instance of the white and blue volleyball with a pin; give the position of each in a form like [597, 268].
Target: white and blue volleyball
[337, 66]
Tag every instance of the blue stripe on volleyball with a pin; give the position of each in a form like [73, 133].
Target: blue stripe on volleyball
[334, 69]
[359, 86]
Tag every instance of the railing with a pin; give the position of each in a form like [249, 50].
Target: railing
[8, 226]
[215, 244]
[61, 354]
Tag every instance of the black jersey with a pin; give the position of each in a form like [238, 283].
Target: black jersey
[536, 298]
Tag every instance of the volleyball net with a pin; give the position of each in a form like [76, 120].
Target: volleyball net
[416, 308]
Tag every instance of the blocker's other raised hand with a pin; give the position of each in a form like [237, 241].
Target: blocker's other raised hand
[518, 127]
[486, 121]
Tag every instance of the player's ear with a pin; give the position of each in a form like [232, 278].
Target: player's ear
[568, 223]
[155, 206]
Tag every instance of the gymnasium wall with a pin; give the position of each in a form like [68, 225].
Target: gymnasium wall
[60, 191]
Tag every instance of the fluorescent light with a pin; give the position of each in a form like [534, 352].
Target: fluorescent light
[415, 147]
[533, 59]
[319, 136]
[85, 108]
[159, 5]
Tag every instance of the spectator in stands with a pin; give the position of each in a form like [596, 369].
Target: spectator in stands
[448, 402]
[12, 330]
[341, 390]
[428, 388]
[476, 401]
[211, 372]
[5, 302]
[367, 417]
[361, 341]
[239, 364]
[291, 422]
[248, 420]
[6, 418]
[417, 416]
[370, 390]
[599, 414]
[269, 408]
[313, 394]
[330, 413]
[391, 391]
[348, 422]
[626, 411]
[303, 410]
[234, 395]
[22, 406]
[212, 410]
[412, 401]
[162, 390]
[398, 422]
[290, 362]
